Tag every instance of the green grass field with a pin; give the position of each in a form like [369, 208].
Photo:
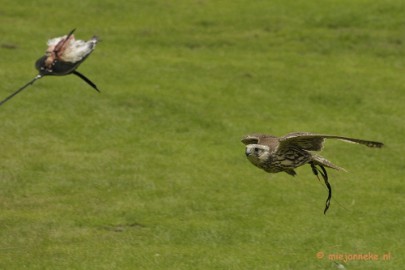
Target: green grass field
[151, 173]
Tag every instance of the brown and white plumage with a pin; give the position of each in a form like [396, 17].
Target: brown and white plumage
[284, 154]
[292, 150]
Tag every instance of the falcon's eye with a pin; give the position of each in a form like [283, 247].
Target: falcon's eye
[256, 150]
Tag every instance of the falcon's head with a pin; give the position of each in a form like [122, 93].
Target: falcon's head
[257, 154]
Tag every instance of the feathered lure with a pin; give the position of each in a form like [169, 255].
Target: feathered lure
[63, 57]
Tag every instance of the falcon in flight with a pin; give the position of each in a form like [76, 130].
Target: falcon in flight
[284, 154]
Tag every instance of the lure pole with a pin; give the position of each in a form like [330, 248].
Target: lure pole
[39, 76]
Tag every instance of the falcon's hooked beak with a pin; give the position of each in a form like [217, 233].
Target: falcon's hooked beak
[247, 151]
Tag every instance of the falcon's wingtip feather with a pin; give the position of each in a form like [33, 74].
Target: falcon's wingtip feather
[250, 139]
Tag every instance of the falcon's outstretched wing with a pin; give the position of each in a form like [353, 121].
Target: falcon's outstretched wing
[314, 142]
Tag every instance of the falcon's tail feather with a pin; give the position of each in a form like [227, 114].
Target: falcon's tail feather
[318, 160]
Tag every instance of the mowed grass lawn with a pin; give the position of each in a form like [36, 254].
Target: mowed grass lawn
[151, 174]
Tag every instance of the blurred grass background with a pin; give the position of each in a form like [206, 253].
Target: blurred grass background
[151, 174]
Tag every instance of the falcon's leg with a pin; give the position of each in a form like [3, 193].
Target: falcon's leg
[324, 174]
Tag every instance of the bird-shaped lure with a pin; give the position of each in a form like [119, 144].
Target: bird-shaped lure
[284, 154]
[63, 57]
